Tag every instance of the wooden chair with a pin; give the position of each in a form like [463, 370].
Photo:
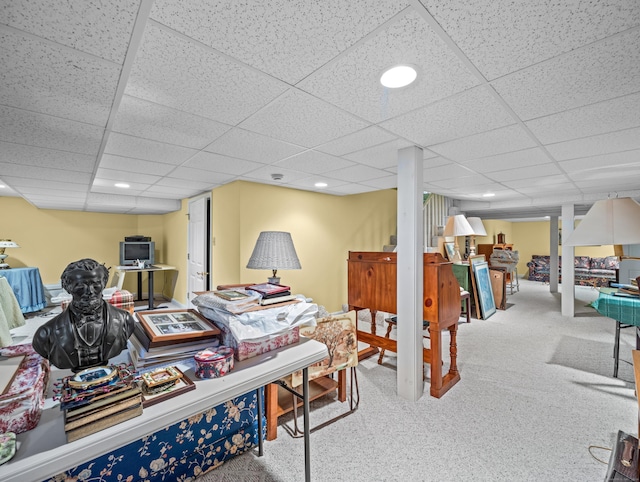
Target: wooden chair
[338, 332]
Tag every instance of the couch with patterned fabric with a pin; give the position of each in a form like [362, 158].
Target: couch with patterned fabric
[587, 271]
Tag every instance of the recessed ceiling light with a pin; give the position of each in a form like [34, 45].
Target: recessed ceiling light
[123, 185]
[488, 194]
[320, 184]
[2, 186]
[398, 76]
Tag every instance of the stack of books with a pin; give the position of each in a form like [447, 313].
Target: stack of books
[630, 289]
[272, 293]
[97, 398]
[145, 353]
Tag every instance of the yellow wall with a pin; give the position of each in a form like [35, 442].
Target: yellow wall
[324, 229]
[51, 239]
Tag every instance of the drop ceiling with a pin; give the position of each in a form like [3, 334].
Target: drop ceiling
[535, 102]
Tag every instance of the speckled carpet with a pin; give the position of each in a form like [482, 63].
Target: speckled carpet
[536, 392]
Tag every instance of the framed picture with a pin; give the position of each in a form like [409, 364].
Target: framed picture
[175, 325]
[485, 293]
[182, 385]
[449, 249]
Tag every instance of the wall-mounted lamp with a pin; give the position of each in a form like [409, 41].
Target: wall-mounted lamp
[274, 250]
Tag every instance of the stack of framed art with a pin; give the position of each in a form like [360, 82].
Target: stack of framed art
[482, 288]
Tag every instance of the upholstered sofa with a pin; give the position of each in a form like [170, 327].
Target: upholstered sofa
[588, 271]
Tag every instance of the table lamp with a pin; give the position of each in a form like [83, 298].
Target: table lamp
[478, 230]
[274, 250]
[4, 244]
[457, 226]
[609, 221]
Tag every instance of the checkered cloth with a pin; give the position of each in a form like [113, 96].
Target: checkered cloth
[620, 308]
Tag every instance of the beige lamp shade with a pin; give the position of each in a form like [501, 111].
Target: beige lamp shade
[7, 243]
[609, 221]
[458, 226]
[477, 226]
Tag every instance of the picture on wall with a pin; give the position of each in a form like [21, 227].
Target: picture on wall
[485, 293]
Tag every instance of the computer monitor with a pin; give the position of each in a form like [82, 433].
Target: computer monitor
[131, 252]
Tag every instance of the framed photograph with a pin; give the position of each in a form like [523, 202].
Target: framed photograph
[449, 249]
[175, 326]
[485, 292]
[182, 385]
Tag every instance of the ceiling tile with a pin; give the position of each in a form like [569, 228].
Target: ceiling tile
[137, 117]
[98, 27]
[387, 182]
[352, 82]
[209, 161]
[263, 175]
[287, 39]
[509, 160]
[138, 148]
[616, 162]
[525, 172]
[200, 175]
[597, 72]
[172, 71]
[183, 183]
[301, 119]
[44, 173]
[382, 156]
[33, 129]
[461, 115]
[37, 156]
[70, 184]
[502, 36]
[313, 162]
[624, 140]
[129, 164]
[45, 78]
[243, 144]
[357, 173]
[607, 116]
[498, 141]
[363, 139]
[309, 183]
[125, 176]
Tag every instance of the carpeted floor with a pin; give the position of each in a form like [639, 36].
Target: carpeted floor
[536, 392]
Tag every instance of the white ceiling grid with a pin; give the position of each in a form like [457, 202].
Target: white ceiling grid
[537, 102]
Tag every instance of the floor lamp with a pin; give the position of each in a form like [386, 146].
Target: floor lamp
[457, 226]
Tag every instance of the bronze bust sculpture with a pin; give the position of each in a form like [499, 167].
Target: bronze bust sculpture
[90, 331]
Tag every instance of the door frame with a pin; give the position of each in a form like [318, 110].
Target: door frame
[207, 241]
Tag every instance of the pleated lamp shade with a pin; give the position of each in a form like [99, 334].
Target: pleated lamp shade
[274, 250]
[477, 226]
[609, 221]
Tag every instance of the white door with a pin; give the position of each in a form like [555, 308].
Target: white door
[198, 256]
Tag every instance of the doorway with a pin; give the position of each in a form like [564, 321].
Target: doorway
[199, 247]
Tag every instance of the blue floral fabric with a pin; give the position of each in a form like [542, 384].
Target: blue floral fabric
[180, 452]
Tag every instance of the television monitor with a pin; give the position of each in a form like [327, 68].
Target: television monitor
[133, 251]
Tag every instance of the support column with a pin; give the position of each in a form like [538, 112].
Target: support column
[553, 254]
[410, 273]
[568, 276]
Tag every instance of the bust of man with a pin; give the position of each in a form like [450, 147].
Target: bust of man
[90, 331]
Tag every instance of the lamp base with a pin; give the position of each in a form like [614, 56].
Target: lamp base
[274, 280]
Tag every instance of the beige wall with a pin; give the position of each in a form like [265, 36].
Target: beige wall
[324, 229]
[51, 239]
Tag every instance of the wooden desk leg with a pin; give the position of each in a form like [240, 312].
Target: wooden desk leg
[453, 350]
[342, 385]
[436, 361]
[271, 405]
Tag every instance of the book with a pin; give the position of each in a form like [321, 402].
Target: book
[74, 421]
[99, 401]
[277, 299]
[268, 288]
[105, 422]
[231, 295]
[276, 295]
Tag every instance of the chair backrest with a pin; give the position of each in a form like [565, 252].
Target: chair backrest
[338, 332]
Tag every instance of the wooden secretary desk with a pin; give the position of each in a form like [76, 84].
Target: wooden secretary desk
[372, 284]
